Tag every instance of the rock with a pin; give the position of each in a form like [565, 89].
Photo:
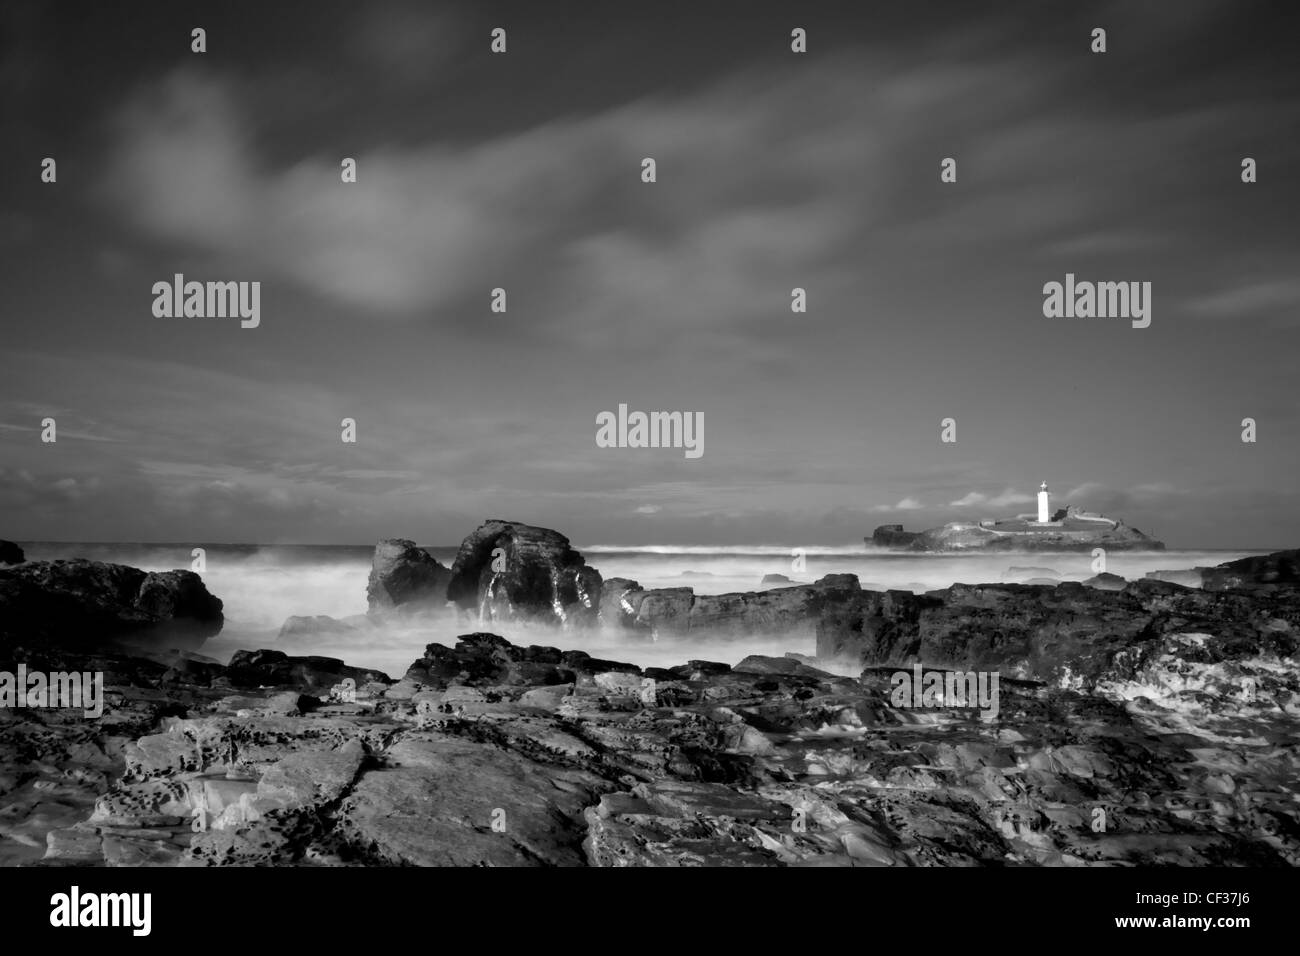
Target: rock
[404, 576]
[510, 571]
[82, 604]
[303, 779]
[1268, 572]
[547, 698]
[299, 628]
[1068, 632]
[778, 610]
[1189, 578]
[184, 667]
[309, 675]
[665, 609]
[1278, 570]
[10, 553]
[487, 659]
[758, 664]
[1106, 582]
[773, 579]
[441, 801]
[620, 601]
[892, 536]
[619, 683]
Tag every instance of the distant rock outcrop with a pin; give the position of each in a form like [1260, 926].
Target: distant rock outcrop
[87, 604]
[405, 576]
[892, 536]
[1267, 572]
[10, 553]
[508, 571]
[1281, 569]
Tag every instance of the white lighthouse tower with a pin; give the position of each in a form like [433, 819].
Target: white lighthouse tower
[1044, 511]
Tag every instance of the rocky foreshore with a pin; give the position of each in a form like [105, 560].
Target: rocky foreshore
[1152, 724]
[488, 753]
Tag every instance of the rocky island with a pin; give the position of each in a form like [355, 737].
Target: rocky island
[1067, 529]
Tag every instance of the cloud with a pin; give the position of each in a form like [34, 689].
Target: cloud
[1005, 499]
[1279, 297]
[741, 197]
[907, 504]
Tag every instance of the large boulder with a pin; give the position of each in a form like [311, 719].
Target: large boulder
[10, 553]
[84, 604]
[405, 576]
[510, 571]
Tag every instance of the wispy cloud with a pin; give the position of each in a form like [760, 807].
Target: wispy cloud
[1005, 499]
[906, 504]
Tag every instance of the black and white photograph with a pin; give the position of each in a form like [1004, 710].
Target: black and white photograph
[358, 504]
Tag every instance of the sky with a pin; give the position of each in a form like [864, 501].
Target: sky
[522, 171]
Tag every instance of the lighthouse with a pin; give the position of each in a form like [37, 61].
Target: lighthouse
[1044, 512]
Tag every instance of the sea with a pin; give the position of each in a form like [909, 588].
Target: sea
[262, 585]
